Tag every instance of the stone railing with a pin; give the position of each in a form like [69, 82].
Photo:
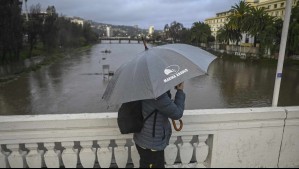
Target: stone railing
[258, 137]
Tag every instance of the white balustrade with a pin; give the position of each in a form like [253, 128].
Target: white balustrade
[253, 137]
[87, 154]
[171, 153]
[104, 153]
[2, 159]
[186, 151]
[52, 156]
[16, 156]
[201, 151]
[69, 155]
[34, 157]
[135, 156]
[121, 153]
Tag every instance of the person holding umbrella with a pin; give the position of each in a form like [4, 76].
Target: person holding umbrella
[148, 78]
[153, 139]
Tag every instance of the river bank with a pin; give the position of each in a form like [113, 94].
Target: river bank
[35, 63]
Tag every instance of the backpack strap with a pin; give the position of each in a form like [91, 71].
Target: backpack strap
[154, 127]
[149, 116]
[155, 120]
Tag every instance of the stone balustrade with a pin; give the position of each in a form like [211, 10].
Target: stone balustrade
[257, 137]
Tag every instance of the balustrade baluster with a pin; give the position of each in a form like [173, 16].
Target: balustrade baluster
[135, 156]
[34, 157]
[87, 154]
[2, 159]
[69, 155]
[15, 158]
[186, 151]
[202, 151]
[121, 153]
[105, 154]
[52, 156]
[171, 153]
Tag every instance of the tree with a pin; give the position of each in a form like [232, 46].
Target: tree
[270, 37]
[256, 22]
[200, 33]
[237, 19]
[34, 26]
[227, 34]
[174, 30]
[10, 30]
[50, 29]
[293, 38]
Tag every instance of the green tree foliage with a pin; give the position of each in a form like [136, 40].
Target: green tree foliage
[175, 30]
[270, 37]
[10, 30]
[34, 26]
[49, 33]
[237, 20]
[201, 33]
[18, 35]
[293, 39]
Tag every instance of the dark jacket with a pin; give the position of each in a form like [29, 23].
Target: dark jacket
[166, 109]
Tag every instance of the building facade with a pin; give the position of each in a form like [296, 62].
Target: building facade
[151, 30]
[274, 8]
[109, 31]
[78, 21]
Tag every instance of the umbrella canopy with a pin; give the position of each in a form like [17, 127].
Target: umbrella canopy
[155, 71]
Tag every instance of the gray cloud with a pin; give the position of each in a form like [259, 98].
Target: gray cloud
[139, 12]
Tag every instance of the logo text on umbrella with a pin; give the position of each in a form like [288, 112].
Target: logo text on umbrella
[173, 72]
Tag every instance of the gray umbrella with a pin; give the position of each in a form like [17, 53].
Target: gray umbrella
[155, 71]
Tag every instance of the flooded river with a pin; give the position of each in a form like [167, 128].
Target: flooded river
[75, 84]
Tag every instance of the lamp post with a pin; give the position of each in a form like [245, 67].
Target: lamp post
[282, 50]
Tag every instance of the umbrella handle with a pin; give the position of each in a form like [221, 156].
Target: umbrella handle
[175, 126]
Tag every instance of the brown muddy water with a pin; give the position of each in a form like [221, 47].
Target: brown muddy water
[75, 84]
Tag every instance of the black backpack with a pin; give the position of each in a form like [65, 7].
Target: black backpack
[130, 118]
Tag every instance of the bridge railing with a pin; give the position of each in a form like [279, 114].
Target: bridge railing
[258, 137]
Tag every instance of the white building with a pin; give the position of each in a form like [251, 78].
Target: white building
[78, 21]
[151, 30]
[109, 31]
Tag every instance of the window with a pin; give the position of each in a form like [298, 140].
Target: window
[282, 4]
[275, 6]
[269, 7]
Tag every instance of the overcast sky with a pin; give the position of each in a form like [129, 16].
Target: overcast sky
[143, 13]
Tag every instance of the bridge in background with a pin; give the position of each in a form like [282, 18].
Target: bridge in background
[123, 40]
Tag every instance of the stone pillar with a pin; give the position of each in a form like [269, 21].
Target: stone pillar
[69, 155]
[2, 159]
[201, 151]
[87, 154]
[121, 153]
[135, 156]
[105, 154]
[171, 152]
[186, 151]
[34, 157]
[15, 159]
[52, 156]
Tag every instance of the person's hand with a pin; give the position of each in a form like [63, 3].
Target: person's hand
[180, 86]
